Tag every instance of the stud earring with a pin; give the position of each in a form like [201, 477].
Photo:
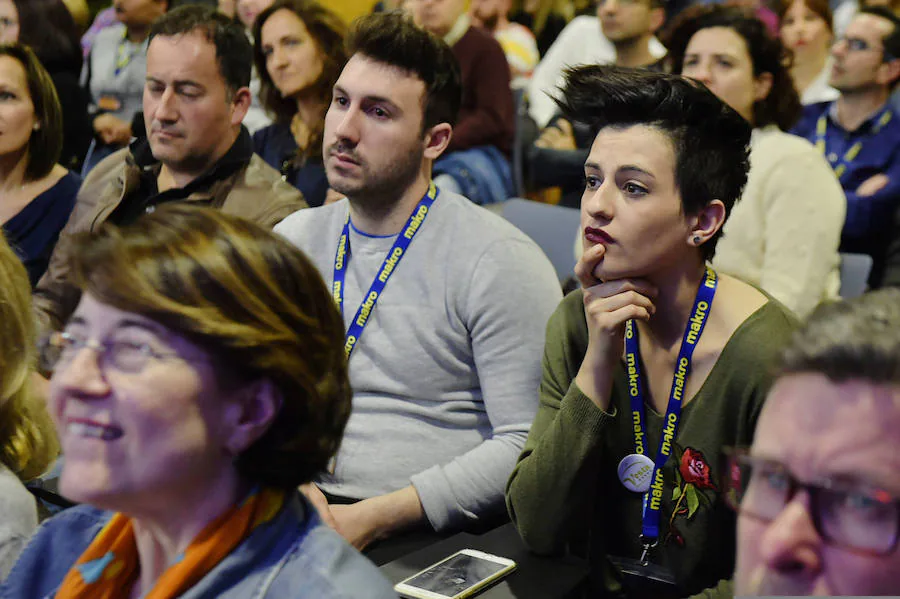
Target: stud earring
[696, 240]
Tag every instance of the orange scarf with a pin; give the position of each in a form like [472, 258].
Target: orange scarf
[109, 566]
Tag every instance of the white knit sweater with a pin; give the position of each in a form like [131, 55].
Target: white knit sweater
[783, 234]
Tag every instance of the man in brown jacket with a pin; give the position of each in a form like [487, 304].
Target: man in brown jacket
[195, 97]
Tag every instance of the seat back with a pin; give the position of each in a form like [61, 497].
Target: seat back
[553, 228]
[855, 269]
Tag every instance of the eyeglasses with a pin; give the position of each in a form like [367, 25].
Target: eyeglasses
[855, 44]
[859, 518]
[59, 349]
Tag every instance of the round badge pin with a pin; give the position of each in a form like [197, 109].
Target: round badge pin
[635, 471]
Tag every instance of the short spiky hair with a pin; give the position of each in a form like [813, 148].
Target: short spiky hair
[393, 39]
[711, 141]
[857, 339]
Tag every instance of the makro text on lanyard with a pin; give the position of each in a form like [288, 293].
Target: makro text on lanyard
[391, 261]
[653, 497]
[840, 168]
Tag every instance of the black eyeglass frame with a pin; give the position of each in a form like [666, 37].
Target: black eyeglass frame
[741, 458]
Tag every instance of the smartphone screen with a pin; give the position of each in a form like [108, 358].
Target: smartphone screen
[455, 574]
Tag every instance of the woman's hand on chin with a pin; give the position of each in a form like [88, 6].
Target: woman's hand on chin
[608, 305]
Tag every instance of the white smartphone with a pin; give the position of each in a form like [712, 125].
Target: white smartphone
[461, 575]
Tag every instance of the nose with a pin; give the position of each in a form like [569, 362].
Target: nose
[791, 545]
[599, 203]
[81, 376]
[347, 127]
[608, 6]
[279, 58]
[702, 73]
[839, 47]
[166, 108]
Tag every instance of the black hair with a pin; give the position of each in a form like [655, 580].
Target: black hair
[393, 39]
[857, 339]
[782, 105]
[711, 140]
[891, 41]
[233, 50]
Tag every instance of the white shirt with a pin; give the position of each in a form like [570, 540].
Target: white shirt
[581, 42]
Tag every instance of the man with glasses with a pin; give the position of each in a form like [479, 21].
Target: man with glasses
[819, 492]
[859, 133]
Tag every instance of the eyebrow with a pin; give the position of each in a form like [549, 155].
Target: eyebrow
[628, 168]
[371, 99]
[176, 83]
[126, 323]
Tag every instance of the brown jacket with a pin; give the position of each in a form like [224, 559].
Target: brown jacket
[255, 192]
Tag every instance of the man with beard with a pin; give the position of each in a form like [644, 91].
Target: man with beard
[517, 41]
[819, 491]
[445, 303]
[859, 133]
[196, 150]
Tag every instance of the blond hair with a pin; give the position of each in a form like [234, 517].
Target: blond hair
[28, 443]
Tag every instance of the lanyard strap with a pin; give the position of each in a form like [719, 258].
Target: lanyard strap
[391, 261]
[653, 498]
[123, 56]
[840, 168]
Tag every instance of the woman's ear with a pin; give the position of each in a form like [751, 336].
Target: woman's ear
[437, 139]
[706, 223]
[762, 85]
[250, 413]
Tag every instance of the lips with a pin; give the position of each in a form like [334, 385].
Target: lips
[344, 159]
[598, 236]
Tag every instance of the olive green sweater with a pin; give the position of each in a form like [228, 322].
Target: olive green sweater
[564, 492]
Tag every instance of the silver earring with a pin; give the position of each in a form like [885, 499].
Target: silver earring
[696, 240]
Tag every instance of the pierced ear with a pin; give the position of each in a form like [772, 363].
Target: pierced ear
[762, 85]
[254, 408]
[437, 139]
[706, 223]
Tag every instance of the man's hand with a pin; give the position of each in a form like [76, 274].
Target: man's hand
[872, 185]
[558, 136]
[112, 130]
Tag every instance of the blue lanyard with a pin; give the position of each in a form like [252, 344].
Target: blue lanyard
[123, 56]
[391, 261]
[841, 164]
[653, 497]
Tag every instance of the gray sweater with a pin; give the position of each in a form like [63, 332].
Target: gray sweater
[18, 519]
[446, 372]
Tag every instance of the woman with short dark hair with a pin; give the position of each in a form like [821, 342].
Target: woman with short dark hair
[37, 195]
[659, 361]
[201, 379]
[785, 232]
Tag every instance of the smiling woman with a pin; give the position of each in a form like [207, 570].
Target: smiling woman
[201, 379]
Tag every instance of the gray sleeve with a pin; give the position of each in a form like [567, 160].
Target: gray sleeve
[511, 295]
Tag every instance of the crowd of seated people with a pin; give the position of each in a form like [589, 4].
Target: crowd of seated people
[268, 338]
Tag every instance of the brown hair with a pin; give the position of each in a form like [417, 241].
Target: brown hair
[254, 302]
[45, 144]
[28, 443]
[782, 106]
[857, 339]
[819, 7]
[327, 31]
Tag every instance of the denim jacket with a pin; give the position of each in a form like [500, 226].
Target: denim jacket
[294, 556]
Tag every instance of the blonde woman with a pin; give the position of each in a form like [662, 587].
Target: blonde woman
[27, 442]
